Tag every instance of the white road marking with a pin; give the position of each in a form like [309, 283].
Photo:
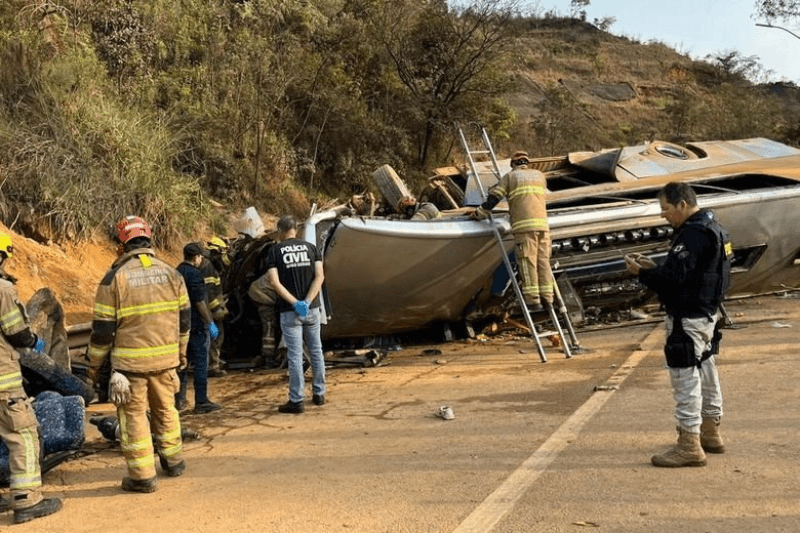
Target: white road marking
[502, 500]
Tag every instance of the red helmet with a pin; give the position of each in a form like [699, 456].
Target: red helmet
[131, 227]
[406, 202]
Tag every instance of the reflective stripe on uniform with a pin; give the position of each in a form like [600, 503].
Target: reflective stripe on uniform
[145, 351]
[11, 381]
[525, 190]
[10, 319]
[168, 306]
[529, 224]
[31, 478]
[97, 353]
[104, 311]
[141, 462]
[141, 444]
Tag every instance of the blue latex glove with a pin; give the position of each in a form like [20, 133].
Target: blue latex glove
[301, 307]
[39, 346]
[214, 330]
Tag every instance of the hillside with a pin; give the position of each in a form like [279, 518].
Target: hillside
[580, 88]
[569, 87]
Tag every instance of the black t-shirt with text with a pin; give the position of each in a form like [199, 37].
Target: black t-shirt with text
[294, 259]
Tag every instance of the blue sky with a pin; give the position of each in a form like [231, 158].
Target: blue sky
[698, 28]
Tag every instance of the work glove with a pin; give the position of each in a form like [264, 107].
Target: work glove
[214, 330]
[119, 388]
[183, 363]
[301, 308]
[39, 346]
[479, 214]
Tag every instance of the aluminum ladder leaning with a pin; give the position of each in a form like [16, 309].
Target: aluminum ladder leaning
[520, 298]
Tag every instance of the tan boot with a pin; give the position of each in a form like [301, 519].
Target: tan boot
[687, 452]
[710, 439]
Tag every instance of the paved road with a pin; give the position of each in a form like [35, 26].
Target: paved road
[533, 447]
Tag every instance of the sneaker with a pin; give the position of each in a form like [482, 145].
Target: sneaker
[43, 508]
[445, 412]
[292, 407]
[139, 485]
[318, 399]
[217, 373]
[206, 407]
[172, 471]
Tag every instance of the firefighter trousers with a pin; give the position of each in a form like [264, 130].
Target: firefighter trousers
[19, 430]
[154, 393]
[533, 259]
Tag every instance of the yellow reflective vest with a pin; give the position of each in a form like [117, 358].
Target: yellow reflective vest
[141, 315]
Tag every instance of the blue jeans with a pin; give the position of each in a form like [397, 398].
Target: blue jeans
[297, 330]
[197, 355]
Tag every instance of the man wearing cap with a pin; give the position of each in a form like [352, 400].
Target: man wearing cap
[141, 322]
[526, 189]
[202, 326]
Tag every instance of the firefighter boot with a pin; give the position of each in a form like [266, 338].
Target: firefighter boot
[45, 507]
[687, 452]
[139, 485]
[710, 439]
[174, 470]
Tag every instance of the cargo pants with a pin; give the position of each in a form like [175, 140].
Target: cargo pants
[19, 430]
[533, 260]
[154, 393]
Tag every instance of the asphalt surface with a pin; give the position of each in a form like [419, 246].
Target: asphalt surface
[560, 446]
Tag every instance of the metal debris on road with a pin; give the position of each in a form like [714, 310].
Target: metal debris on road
[445, 412]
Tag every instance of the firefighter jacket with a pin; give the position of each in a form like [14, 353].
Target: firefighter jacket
[15, 334]
[213, 285]
[526, 190]
[141, 315]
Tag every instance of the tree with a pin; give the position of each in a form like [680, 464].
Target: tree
[734, 65]
[447, 60]
[577, 9]
[771, 10]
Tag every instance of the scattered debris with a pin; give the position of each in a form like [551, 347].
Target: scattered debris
[432, 351]
[779, 325]
[445, 412]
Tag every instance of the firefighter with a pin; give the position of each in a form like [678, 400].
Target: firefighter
[212, 276]
[526, 189]
[411, 209]
[18, 424]
[141, 322]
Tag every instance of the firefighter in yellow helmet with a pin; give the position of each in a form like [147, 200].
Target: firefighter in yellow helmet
[215, 262]
[141, 321]
[526, 191]
[18, 424]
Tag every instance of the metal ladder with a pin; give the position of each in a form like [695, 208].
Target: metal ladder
[517, 290]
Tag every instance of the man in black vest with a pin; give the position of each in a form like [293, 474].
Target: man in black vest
[690, 283]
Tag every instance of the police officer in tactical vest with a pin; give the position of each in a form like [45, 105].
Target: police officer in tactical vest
[690, 284]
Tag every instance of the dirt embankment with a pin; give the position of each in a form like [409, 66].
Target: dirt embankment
[72, 271]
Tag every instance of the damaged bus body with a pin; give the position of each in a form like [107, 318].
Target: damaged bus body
[386, 275]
